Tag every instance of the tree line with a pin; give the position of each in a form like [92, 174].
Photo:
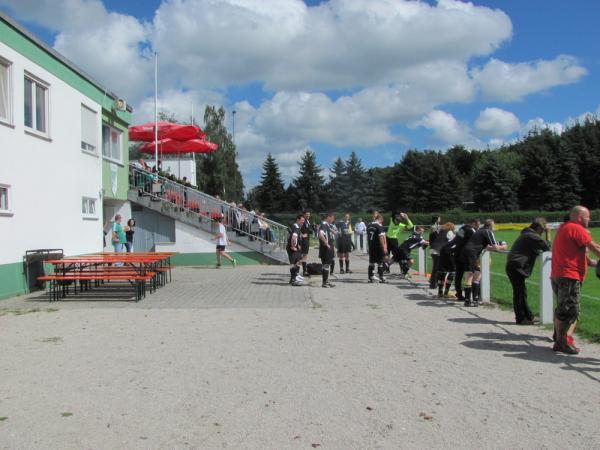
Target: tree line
[544, 171]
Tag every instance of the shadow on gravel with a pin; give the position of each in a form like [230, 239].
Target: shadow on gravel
[478, 320]
[434, 304]
[525, 350]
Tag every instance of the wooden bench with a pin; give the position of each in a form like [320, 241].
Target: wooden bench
[58, 283]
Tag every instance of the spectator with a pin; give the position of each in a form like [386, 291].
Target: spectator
[520, 262]
[462, 237]
[359, 234]
[129, 232]
[569, 267]
[118, 235]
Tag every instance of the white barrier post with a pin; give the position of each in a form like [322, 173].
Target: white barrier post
[421, 261]
[485, 277]
[546, 296]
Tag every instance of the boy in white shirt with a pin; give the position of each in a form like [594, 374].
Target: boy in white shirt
[221, 238]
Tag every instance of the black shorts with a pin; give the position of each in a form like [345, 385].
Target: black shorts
[470, 261]
[220, 248]
[294, 256]
[305, 245]
[393, 248]
[446, 263]
[376, 256]
[344, 245]
[326, 255]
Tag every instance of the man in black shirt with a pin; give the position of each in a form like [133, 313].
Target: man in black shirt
[483, 239]
[305, 231]
[460, 240]
[326, 252]
[344, 243]
[415, 240]
[520, 262]
[293, 250]
[377, 247]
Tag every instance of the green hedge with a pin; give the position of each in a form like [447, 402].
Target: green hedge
[456, 216]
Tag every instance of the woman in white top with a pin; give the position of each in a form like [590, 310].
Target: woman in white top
[221, 238]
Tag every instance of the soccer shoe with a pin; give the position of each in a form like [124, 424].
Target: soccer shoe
[371, 280]
[342, 272]
[468, 303]
[299, 277]
[348, 271]
[328, 285]
[450, 296]
[218, 266]
[381, 280]
[234, 263]
[296, 283]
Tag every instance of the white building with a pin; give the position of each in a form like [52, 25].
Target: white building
[63, 155]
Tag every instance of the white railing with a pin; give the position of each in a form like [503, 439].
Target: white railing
[546, 301]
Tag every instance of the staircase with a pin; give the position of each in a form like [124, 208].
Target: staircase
[195, 208]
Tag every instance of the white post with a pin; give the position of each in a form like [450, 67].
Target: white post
[421, 261]
[485, 277]
[546, 297]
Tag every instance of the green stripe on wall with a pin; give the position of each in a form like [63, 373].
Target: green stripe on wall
[209, 259]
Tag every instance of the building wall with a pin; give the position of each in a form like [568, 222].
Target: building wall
[48, 176]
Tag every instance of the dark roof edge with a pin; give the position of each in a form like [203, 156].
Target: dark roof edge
[37, 41]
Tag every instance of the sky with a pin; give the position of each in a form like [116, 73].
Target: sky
[377, 77]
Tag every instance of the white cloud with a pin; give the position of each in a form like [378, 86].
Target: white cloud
[496, 122]
[502, 81]
[447, 129]
[540, 124]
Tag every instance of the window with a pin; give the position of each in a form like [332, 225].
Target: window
[36, 105]
[88, 206]
[89, 136]
[5, 204]
[5, 92]
[111, 143]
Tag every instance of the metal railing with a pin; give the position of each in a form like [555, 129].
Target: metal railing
[546, 300]
[264, 235]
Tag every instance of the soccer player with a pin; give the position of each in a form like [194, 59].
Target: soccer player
[378, 248]
[344, 243]
[462, 237]
[483, 239]
[446, 246]
[293, 250]
[305, 231]
[398, 223]
[415, 240]
[326, 251]
[222, 241]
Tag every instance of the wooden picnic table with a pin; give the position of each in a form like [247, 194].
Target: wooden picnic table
[136, 268]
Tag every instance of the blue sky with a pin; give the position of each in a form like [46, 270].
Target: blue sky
[337, 76]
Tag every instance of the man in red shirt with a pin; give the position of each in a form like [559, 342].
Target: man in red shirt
[569, 266]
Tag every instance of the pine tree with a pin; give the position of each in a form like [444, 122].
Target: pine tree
[270, 193]
[309, 186]
[337, 188]
[356, 177]
[495, 186]
[218, 173]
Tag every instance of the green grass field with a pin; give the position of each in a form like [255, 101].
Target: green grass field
[589, 325]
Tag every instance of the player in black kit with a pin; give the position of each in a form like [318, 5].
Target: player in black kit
[377, 247]
[344, 243]
[460, 240]
[415, 240]
[483, 239]
[305, 231]
[326, 243]
[293, 250]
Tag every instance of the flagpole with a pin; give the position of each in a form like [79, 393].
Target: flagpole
[193, 153]
[156, 111]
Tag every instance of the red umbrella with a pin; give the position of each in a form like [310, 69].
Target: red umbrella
[173, 147]
[166, 130]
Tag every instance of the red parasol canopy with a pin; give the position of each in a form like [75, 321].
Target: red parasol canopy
[173, 147]
[166, 130]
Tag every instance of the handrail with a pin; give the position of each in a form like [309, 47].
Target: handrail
[208, 208]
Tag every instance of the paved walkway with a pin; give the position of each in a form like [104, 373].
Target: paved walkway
[239, 359]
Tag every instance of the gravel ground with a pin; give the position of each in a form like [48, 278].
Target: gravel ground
[236, 358]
